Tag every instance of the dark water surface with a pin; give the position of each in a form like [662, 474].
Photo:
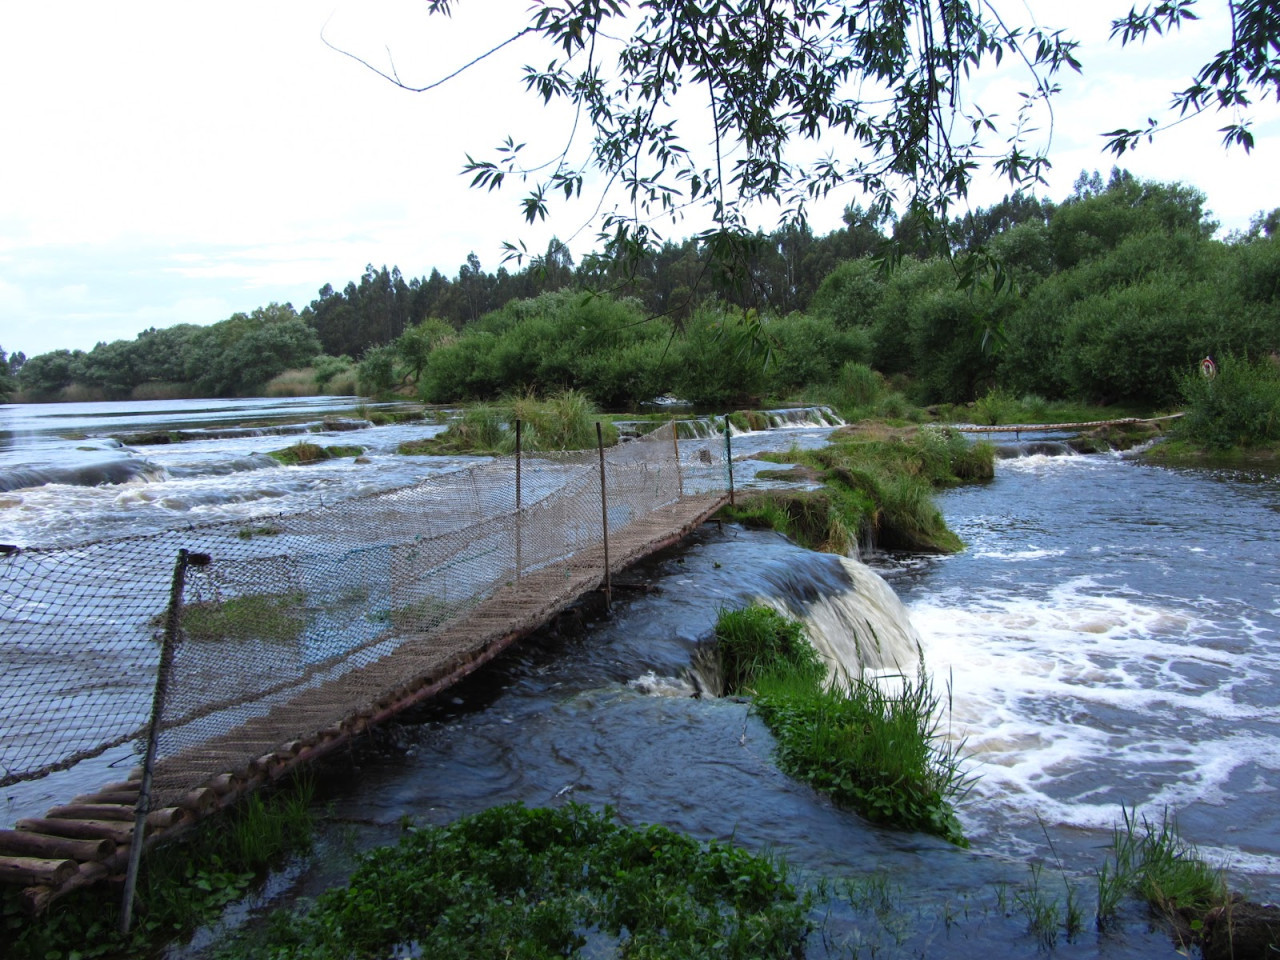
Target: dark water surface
[1110, 636]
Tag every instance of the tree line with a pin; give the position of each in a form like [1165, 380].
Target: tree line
[1107, 296]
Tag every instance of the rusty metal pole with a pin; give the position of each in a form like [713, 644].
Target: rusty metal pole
[165, 668]
[604, 516]
[519, 565]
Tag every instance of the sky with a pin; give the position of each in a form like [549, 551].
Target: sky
[177, 163]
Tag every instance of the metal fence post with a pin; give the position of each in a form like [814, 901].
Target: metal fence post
[728, 454]
[519, 565]
[604, 515]
[675, 443]
[163, 670]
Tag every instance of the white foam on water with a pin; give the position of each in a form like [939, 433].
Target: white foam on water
[1074, 702]
[1031, 553]
[652, 685]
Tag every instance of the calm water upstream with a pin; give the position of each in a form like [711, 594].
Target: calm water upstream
[1111, 636]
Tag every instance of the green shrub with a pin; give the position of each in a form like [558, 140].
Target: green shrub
[1238, 407]
[716, 361]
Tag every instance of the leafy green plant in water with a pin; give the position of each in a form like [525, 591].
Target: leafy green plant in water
[565, 421]
[267, 616]
[757, 641]
[262, 530]
[512, 881]
[303, 452]
[1041, 910]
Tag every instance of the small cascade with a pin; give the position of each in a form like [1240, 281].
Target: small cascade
[803, 417]
[756, 421]
[852, 616]
[96, 474]
[328, 425]
[865, 629]
[1034, 448]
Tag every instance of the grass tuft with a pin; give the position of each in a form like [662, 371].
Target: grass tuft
[876, 751]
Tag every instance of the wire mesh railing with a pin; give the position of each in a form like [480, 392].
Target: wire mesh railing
[288, 623]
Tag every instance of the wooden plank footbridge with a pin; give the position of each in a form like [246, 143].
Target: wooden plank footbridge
[270, 642]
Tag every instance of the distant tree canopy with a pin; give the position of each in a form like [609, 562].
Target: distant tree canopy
[1117, 289]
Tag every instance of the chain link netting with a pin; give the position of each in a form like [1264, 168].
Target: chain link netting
[298, 621]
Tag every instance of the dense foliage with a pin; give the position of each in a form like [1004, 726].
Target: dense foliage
[1240, 407]
[679, 105]
[517, 882]
[1112, 297]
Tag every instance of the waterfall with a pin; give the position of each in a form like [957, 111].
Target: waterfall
[1033, 448]
[864, 629]
[851, 615]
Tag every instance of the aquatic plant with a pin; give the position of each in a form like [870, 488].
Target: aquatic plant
[877, 488]
[564, 421]
[875, 750]
[515, 881]
[1154, 862]
[304, 452]
[267, 616]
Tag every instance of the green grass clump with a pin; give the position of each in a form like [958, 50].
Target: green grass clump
[1154, 862]
[266, 616]
[758, 641]
[877, 488]
[182, 885]
[565, 421]
[304, 452]
[518, 882]
[876, 751]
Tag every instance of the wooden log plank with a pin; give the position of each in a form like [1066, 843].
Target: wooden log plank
[93, 811]
[79, 829]
[126, 797]
[30, 870]
[20, 843]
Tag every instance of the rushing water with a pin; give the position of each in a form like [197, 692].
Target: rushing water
[1109, 638]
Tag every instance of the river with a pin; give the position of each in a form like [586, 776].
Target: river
[1109, 637]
